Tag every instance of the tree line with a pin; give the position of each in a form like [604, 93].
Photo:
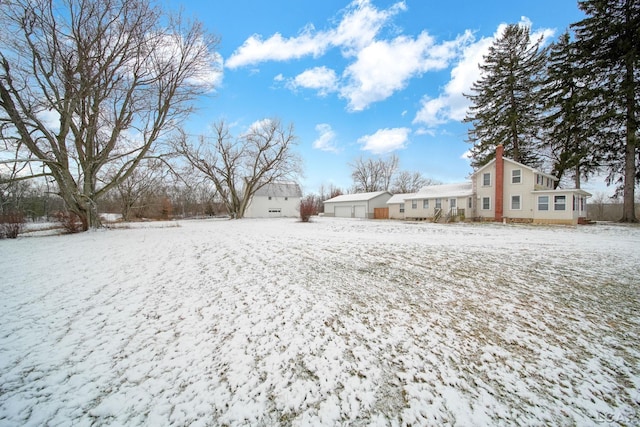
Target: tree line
[572, 106]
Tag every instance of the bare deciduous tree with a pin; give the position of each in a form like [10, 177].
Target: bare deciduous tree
[136, 190]
[86, 84]
[240, 166]
[373, 175]
[410, 182]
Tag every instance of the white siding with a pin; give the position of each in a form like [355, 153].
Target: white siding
[360, 211]
[342, 211]
[265, 207]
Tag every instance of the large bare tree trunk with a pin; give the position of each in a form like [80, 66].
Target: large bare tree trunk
[114, 76]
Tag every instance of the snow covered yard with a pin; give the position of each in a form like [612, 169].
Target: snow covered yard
[276, 322]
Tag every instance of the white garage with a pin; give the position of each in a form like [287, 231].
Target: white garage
[360, 211]
[359, 205]
[342, 211]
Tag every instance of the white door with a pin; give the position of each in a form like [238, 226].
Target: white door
[360, 212]
[342, 211]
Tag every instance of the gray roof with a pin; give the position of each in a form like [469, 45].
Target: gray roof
[280, 189]
[357, 197]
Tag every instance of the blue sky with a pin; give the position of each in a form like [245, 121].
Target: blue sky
[364, 78]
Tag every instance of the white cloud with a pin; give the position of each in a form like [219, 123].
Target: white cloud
[258, 126]
[326, 140]
[451, 104]
[385, 140]
[322, 79]
[384, 67]
[379, 67]
[359, 26]
[425, 131]
[277, 48]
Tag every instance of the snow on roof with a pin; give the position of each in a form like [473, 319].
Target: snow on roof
[462, 189]
[357, 197]
[280, 189]
[399, 198]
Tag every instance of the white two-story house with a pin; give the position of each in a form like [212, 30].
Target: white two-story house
[506, 190]
[501, 190]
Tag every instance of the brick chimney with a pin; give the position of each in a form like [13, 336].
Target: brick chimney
[499, 182]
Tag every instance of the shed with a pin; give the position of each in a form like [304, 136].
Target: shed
[359, 205]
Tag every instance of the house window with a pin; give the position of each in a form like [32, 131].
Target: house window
[543, 203]
[414, 204]
[486, 179]
[425, 204]
[486, 203]
[401, 207]
[452, 203]
[470, 204]
[515, 203]
[286, 198]
[269, 197]
[559, 203]
[438, 203]
[575, 203]
[516, 176]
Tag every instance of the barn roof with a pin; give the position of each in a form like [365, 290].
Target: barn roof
[280, 189]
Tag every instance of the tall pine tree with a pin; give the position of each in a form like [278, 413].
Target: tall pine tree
[608, 42]
[505, 100]
[566, 134]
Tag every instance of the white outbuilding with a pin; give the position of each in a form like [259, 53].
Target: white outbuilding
[279, 199]
[359, 205]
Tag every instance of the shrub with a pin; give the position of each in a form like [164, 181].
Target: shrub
[308, 207]
[70, 221]
[11, 224]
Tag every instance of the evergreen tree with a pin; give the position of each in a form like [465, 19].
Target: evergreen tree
[608, 42]
[505, 100]
[566, 135]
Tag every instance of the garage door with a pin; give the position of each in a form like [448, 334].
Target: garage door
[360, 211]
[343, 211]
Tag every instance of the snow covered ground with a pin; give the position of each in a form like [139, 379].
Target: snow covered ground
[335, 322]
